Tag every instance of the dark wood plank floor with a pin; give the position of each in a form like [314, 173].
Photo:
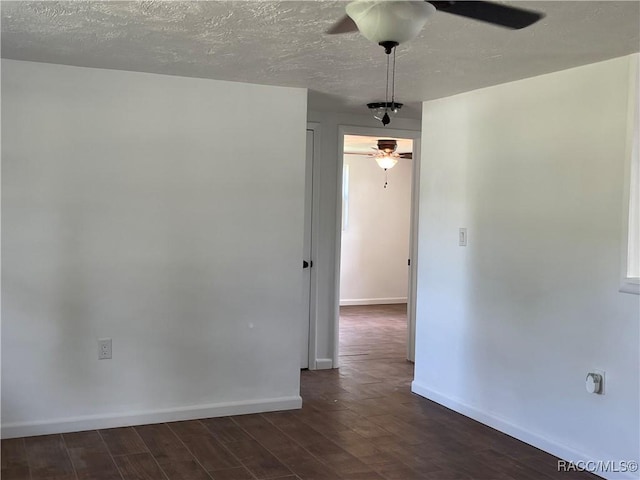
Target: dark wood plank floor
[360, 422]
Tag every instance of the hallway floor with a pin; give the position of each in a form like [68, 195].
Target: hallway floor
[360, 422]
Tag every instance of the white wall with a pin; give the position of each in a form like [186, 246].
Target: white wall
[375, 244]
[509, 326]
[326, 248]
[156, 210]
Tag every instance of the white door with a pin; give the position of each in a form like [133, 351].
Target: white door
[413, 255]
[307, 263]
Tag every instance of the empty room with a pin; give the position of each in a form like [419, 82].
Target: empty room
[320, 240]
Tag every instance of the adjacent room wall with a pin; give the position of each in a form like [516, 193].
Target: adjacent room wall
[375, 242]
[155, 210]
[509, 326]
[327, 248]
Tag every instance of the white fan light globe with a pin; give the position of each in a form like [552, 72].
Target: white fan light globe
[386, 161]
[396, 21]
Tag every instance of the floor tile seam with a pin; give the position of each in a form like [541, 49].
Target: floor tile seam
[24, 446]
[315, 457]
[364, 438]
[242, 464]
[150, 453]
[156, 460]
[189, 450]
[26, 456]
[113, 460]
[137, 434]
[113, 457]
[66, 449]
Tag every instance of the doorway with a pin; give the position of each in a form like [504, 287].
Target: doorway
[376, 222]
[377, 226]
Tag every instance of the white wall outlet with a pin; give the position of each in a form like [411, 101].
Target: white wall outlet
[595, 382]
[462, 237]
[104, 348]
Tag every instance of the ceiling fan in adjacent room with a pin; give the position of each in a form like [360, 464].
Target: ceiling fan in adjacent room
[385, 155]
[392, 22]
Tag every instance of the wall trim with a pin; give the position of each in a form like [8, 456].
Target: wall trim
[372, 301]
[93, 422]
[527, 436]
[324, 363]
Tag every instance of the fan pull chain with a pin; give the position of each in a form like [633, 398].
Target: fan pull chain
[393, 78]
[385, 118]
[385, 178]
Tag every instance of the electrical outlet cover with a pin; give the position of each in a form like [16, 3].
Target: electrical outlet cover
[104, 348]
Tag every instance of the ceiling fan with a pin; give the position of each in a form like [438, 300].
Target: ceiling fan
[385, 153]
[400, 21]
[392, 22]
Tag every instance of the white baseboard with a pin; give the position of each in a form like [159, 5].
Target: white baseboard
[324, 363]
[515, 431]
[93, 422]
[372, 301]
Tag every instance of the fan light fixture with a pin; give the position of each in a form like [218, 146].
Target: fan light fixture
[387, 160]
[396, 22]
[392, 22]
[387, 157]
[380, 108]
[389, 23]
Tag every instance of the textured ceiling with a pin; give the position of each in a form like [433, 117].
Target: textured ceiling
[282, 43]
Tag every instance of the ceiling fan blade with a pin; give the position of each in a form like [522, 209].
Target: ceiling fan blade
[357, 153]
[344, 25]
[503, 15]
[408, 155]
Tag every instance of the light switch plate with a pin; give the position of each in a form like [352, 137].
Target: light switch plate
[462, 237]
